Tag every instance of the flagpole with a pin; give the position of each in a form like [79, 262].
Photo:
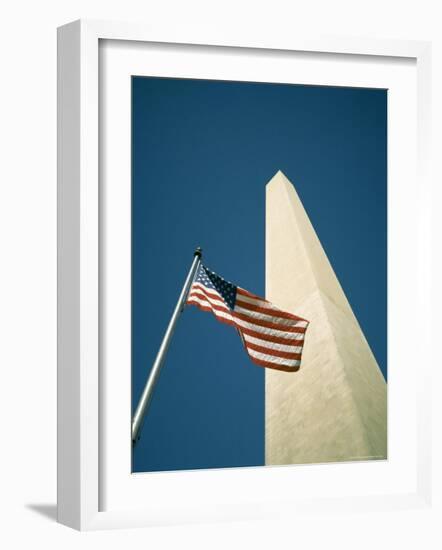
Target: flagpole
[146, 396]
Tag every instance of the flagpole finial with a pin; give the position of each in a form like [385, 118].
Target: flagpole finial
[198, 252]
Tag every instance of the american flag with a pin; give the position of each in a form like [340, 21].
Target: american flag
[272, 338]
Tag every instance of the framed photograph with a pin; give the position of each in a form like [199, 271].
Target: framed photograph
[236, 221]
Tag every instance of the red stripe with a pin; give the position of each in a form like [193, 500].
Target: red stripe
[268, 311]
[240, 290]
[275, 366]
[268, 324]
[271, 338]
[207, 308]
[203, 297]
[276, 353]
[203, 288]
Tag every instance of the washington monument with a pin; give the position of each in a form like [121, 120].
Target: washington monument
[335, 407]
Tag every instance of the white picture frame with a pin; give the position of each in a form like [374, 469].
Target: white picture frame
[80, 438]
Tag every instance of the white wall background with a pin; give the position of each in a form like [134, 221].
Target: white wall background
[28, 267]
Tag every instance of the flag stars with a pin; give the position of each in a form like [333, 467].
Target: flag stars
[225, 289]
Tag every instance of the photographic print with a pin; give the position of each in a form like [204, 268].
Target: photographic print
[259, 274]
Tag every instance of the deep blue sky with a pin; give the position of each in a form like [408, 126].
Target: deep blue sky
[202, 154]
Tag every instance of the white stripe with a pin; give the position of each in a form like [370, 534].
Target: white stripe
[262, 303]
[216, 301]
[212, 301]
[271, 318]
[255, 301]
[273, 359]
[223, 314]
[272, 345]
[204, 287]
[270, 331]
[207, 302]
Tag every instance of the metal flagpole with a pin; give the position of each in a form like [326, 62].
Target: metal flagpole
[146, 396]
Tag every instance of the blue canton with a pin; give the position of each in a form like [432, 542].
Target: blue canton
[211, 280]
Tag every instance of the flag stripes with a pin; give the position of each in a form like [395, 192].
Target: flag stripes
[272, 338]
